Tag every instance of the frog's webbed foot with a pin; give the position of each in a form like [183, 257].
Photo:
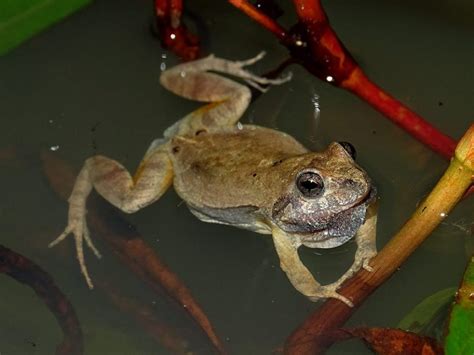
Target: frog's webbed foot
[77, 226]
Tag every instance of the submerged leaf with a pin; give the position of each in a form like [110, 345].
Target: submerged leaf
[428, 316]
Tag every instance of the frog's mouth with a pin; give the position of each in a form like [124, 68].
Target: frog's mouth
[340, 227]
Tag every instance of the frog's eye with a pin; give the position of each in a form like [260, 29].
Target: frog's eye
[310, 184]
[349, 148]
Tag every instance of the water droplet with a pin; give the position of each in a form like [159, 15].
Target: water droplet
[172, 36]
[54, 148]
[443, 215]
[329, 79]
[182, 74]
[240, 126]
[163, 66]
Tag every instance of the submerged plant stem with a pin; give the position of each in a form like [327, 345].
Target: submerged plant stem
[27, 272]
[311, 337]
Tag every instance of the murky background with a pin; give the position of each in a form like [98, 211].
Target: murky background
[90, 85]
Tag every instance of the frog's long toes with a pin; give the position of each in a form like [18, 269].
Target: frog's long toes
[366, 265]
[89, 242]
[340, 297]
[61, 237]
[277, 81]
[331, 293]
[259, 56]
[282, 79]
[255, 85]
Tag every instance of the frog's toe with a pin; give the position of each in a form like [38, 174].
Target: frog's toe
[61, 237]
[253, 60]
[90, 244]
[366, 266]
[256, 85]
[330, 292]
[80, 232]
[341, 298]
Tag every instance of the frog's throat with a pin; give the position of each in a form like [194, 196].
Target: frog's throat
[340, 228]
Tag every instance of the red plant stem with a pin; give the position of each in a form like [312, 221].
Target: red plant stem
[261, 18]
[315, 45]
[423, 131]
[310, 10]
[176, 11]
[172, 32]
[161, 8]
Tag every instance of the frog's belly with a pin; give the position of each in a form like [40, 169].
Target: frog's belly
[245, 217]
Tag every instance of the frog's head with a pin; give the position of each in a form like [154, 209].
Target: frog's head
[327, 197]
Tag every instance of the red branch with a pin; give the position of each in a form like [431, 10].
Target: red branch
[172, 32]
[314, 44]
[266, 21]
[25, 271]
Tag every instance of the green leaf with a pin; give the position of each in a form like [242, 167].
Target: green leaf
[460, 339]
[21, 19]
[428, 316]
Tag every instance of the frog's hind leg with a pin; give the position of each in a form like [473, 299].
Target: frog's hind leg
[111, 180]
[227, 99]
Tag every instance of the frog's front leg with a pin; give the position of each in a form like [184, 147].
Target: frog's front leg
[366, 245]
[298, 274]
[228, 99]
[116, 185]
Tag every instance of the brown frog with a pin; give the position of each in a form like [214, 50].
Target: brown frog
[242, 175]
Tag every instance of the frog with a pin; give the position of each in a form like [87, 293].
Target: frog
[242, 175]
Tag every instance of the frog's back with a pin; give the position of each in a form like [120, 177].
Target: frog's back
[229, 168]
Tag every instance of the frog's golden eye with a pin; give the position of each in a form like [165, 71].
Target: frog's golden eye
[349, 148]
[310, 184]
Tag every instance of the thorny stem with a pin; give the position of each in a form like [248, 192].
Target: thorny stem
[310, 337]
[314, 44]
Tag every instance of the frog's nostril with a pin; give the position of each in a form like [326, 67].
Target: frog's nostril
[350, 183]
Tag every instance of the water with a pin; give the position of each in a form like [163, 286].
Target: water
[90, 85]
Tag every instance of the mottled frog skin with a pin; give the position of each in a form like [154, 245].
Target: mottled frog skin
[242, 175]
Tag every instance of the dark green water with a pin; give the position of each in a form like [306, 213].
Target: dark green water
[90, 85]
